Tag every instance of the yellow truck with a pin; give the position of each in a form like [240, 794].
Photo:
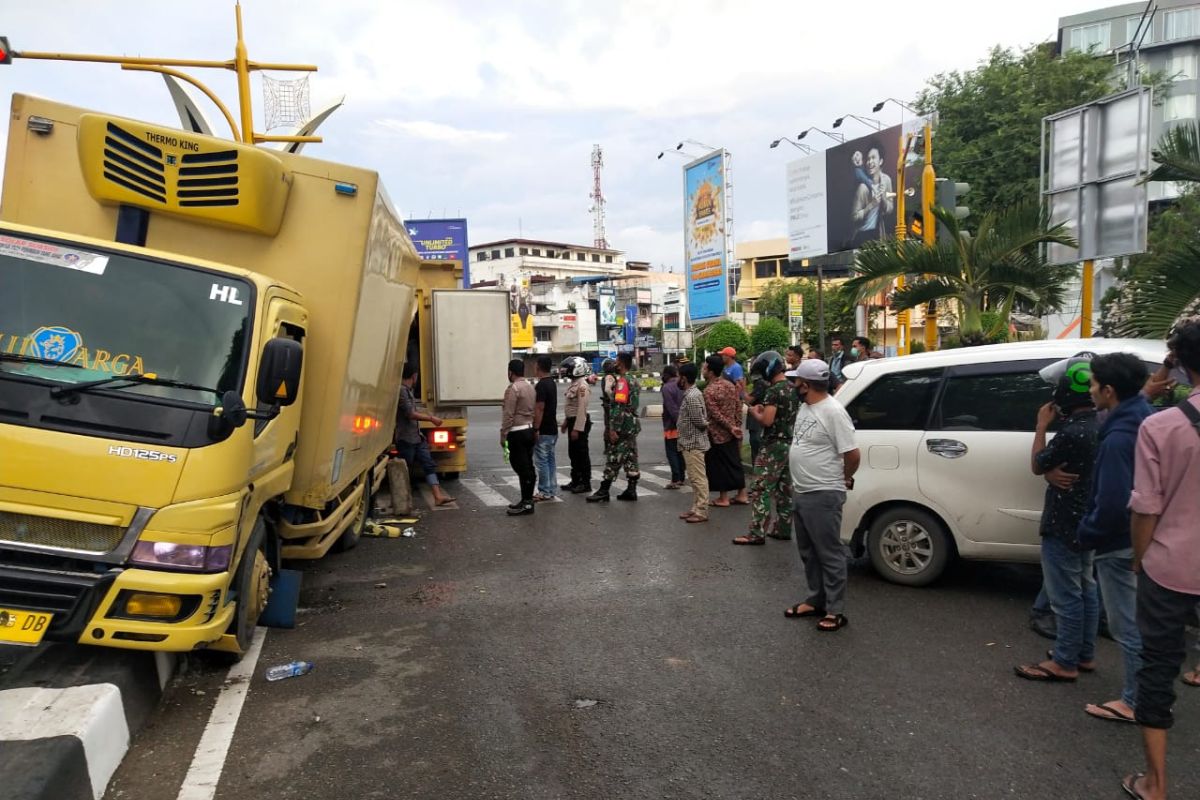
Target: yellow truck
[200, 353]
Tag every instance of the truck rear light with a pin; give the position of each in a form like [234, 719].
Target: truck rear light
[189, 557]
[440, 436]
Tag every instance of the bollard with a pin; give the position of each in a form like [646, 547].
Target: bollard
[399, 486]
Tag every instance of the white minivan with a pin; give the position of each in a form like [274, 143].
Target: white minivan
[945, 439]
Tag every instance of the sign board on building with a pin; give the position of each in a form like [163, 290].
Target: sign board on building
[843, 197]
[630, 323]
[441, 240]
[588, 340]
[677, 340]
[521, 308]
[704, 237]
[608, 306]
[1094, 158]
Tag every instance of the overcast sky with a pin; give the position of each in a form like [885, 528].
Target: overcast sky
[489, 110]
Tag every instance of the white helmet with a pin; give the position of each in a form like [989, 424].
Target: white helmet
[575, 367]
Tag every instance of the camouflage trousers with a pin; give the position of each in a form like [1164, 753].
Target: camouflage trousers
[621, 454]
[770, 484]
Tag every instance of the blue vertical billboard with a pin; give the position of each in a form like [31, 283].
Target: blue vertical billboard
[441, 240]
[704, 238]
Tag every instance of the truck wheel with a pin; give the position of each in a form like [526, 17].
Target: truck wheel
[251, 587]
[909, 546]
[349, 538]
[450, 476]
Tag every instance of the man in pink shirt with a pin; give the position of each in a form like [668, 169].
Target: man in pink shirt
[1165, 507]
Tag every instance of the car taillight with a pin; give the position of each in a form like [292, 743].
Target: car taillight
[440, 437]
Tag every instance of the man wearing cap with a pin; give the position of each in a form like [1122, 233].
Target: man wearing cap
[823, 459]
[733, 370]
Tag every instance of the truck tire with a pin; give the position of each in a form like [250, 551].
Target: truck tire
[909, 546]
[349, 538]
[450, 476]
[251, 587]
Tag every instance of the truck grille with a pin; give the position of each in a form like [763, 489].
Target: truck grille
[50, 532]
[203, 179]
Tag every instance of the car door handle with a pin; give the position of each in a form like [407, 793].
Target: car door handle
[946, 448]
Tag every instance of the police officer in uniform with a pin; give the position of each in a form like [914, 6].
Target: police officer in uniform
[621, 429]
[578, 424]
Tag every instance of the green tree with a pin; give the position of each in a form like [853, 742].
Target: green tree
[769, 334]
[1001, 262]
[990, 118]
[725, 333]
[839, 306]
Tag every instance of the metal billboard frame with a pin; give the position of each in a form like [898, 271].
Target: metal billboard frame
[1083, 194]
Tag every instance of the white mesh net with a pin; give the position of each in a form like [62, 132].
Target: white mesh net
[285, 101]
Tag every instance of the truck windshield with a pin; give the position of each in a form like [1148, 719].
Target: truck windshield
[79, 316]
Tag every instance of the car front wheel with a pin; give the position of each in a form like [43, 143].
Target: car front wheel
[909, 546]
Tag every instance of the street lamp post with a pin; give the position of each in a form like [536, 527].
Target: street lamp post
[873, 123]
[798, 145]
[837, 137]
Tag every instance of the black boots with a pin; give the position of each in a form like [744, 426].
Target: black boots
[582, 488]
[630, 492]
[601, 494]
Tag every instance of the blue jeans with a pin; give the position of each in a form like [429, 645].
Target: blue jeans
[1071, 586]
[418, 452]
[1118, 585]
[543, 459]
[674, 459]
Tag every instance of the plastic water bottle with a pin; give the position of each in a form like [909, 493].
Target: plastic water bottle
[506, 452]
[291, 670]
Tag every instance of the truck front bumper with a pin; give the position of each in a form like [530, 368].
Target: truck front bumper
[89, 608]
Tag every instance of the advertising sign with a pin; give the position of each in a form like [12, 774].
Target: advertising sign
[630, 324]
[441, 240]
[846, 196]
[521, 309]
[796, 311]
[704, 237]
[608, 306]
[588, 340]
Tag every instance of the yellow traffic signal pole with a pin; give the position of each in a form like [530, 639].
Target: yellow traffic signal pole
[1085, 300]
[241, 64]
[902, 317]
[929, 231]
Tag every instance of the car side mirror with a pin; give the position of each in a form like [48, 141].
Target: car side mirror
[279, 372]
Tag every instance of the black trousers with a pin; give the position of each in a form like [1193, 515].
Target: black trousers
[1162, 616]
[520, 455]
[577, 451]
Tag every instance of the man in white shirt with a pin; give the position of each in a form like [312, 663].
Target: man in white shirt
[823, 459]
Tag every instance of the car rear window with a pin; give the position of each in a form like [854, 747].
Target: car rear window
[897, 401]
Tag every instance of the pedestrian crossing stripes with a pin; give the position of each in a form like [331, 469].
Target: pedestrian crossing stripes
[499, 489]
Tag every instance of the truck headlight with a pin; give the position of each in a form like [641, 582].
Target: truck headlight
[190, 557]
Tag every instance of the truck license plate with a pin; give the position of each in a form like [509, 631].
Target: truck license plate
[23, 627]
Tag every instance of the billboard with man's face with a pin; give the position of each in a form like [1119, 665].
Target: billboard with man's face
[846, 196]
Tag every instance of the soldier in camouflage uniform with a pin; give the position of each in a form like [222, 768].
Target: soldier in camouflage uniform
[621, 429]
[772, 483]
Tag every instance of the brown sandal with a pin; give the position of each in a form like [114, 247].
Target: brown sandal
[749, 539]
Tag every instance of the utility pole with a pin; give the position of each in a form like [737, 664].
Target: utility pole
[902, 317]
[929, 231]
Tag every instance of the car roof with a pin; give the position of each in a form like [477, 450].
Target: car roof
[1152, 350]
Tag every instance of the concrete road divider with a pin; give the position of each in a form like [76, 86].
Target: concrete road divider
[67, 714]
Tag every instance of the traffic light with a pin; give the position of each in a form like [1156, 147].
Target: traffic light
[949, 194]
[5, 52]
[916, 225]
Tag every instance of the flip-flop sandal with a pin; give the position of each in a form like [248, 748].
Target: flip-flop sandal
[694, 519]
[1109, 712]
[1036, 672]
[686, 514]
[795, 613]
[1080, 667]
[1129, 784]
[749, 540]
[1193, 680]
[832, 622]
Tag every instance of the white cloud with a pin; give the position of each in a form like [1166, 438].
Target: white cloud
[440, 132]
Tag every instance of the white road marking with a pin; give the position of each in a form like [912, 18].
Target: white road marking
[486, 494]
[661, 482]
[93, 714]
[207, 764]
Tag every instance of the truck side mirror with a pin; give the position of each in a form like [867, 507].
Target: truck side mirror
[279, 372]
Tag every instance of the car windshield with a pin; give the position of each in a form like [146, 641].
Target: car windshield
[100, 315]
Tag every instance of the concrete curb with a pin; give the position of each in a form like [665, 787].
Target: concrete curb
[68, 713]
[652, 411]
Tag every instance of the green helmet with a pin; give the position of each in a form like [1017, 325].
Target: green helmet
[1072, 381]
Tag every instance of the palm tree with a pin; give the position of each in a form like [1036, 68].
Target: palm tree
[1001, 263]
[1177, 155]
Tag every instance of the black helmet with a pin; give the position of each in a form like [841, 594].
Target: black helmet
[574, 367]
[768, 364]
[608, 366]
[1071, 379]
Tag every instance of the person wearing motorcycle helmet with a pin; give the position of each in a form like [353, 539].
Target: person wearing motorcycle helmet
[577, 424]
[771, 483]
[1067, 567]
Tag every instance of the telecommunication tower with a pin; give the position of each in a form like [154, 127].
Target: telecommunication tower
[601, 240]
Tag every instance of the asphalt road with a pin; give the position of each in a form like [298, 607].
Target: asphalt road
[613, 652]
